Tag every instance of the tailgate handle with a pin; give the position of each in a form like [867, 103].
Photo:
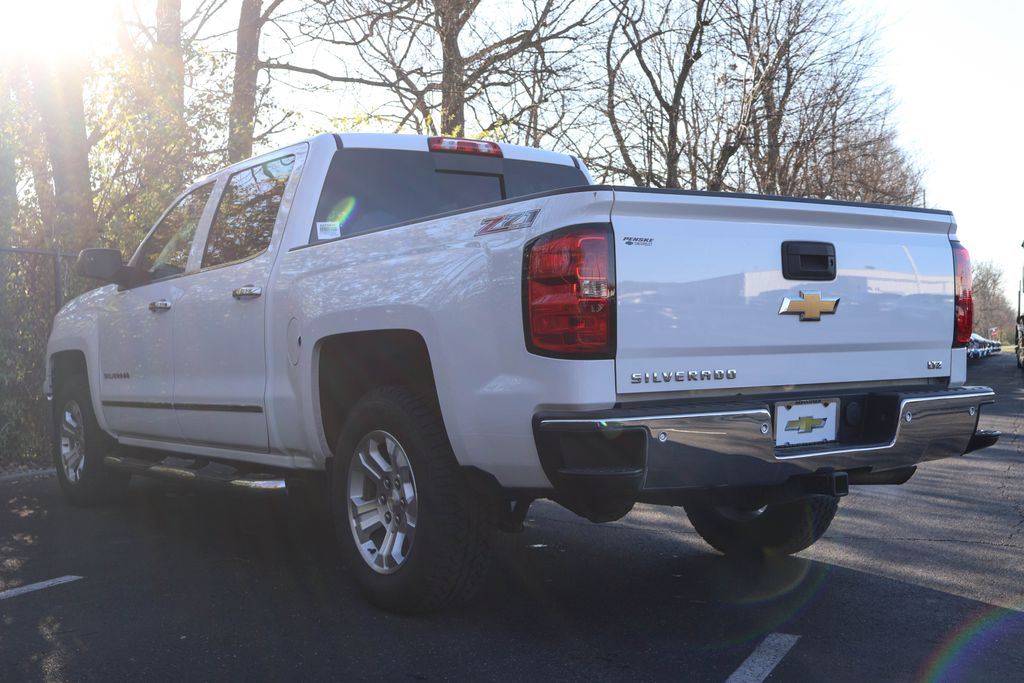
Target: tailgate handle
[808, 261]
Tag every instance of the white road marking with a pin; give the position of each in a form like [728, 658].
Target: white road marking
[21, 590]
[766, 657]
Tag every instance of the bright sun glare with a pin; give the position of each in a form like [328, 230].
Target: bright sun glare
[55, 29]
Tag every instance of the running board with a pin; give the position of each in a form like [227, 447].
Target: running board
[199, 471]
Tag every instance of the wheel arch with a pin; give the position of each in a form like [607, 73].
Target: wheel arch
[350, 364]
[69, 363]
[63, 364]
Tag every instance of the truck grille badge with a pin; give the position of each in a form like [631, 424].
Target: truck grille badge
[809, 306]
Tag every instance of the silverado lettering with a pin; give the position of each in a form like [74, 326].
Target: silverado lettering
[680, 376]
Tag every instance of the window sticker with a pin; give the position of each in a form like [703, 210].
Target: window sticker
[328, 230]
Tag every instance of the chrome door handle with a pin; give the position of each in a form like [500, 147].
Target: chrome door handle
[247, 292]
[158, 306]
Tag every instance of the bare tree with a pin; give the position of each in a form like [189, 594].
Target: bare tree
[168, 58]
[543, 97]
[811, 67]
[435, 61]
[863, 164]
[991, 308]
[650, 53]
[242, 112]
[8, 155]
[678, 105]
[58, 97]
[773, 96]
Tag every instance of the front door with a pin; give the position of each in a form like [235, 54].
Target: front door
[136, 329]
[219, 352]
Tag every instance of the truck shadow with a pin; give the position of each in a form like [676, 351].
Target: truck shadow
[189, 578]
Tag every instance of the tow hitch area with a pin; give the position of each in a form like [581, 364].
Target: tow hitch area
[836, 484]
[827, 483]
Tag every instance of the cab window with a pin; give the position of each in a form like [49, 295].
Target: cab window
[245, 218]
[368, 189]
[165, 252]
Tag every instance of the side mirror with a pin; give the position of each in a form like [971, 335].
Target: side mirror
[100, 264]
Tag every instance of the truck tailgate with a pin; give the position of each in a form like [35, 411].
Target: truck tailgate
[700, 289]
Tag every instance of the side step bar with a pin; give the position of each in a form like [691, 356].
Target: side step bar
[201, 472]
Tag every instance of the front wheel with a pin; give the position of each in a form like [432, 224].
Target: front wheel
[412, 534]
[79, 446]
[773, 530]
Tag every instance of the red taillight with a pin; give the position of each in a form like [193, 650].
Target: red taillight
[570, 301]
[963, 304]
[464, 146]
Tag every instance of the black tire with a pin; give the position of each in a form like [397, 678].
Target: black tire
[775, 530]
[89, 482]
[448, 554]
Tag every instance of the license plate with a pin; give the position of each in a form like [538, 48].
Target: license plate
[805, 422]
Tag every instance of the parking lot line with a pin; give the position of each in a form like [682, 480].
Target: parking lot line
[766, 657]
[21, 590]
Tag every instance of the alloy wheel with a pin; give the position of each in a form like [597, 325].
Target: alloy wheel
[382, 502]
[72, 441]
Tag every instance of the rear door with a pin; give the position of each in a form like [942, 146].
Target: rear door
[703, 302]
[220, 351]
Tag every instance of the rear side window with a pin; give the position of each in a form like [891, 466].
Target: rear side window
[247, 212]
[367, 189]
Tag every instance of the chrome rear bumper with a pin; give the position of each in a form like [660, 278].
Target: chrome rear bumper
[677, 448]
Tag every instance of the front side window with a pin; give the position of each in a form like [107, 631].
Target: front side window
[247, 212]
[165, 252]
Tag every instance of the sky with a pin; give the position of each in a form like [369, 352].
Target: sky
[956, 69]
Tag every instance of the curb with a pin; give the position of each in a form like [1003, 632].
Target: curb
[25, 474]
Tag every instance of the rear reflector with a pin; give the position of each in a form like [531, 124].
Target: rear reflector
[464, 146]
[963, 304]
[569, 294]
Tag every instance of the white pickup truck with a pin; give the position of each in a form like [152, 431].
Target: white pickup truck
[451, 329]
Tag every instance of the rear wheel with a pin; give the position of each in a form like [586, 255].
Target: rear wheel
[80, 446]
[773, 530]
[414, 538]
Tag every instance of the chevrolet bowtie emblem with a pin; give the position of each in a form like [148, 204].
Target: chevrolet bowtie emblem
[805, 425]
[809, 306]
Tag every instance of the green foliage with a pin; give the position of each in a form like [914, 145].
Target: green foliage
[144, 152]
[147, 152]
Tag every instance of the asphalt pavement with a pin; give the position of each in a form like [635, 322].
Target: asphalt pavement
[923, 581]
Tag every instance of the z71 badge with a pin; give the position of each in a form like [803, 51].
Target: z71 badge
[508, 221]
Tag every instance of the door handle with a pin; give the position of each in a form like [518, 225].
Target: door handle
[247, 292]
[808, 261]
[158, 306]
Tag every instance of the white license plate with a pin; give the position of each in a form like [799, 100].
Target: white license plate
[806, 422]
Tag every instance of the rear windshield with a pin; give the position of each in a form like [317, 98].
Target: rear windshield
[367, 189]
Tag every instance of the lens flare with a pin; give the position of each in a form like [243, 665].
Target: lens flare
[769, 595]
[342, 212]
[971, 643]
[57, 30]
